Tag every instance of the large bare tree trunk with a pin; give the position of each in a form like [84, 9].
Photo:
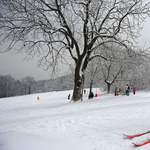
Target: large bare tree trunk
[91, 85]
[108, 88]
[79, 80]
[77, 93]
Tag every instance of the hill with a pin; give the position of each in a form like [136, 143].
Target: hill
[54, 123]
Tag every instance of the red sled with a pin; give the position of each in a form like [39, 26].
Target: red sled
[132, 136]
[141, 144]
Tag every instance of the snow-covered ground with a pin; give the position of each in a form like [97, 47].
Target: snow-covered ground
[54, 123]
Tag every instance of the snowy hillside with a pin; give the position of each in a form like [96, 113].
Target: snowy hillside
[54, 123]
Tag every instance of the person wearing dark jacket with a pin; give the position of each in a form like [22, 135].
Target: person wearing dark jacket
[91, 95]
[116, 91]
[127, 90]
[68, 96]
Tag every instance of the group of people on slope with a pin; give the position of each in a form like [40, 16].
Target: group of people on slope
[126, 92]
[91, 95]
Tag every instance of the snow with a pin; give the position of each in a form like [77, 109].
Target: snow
[54, 123]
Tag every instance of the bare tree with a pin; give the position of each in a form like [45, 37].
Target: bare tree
[27, 84]
[138, 73]
[117, 62]
[6, 86]
[93, 73]
[70, 29]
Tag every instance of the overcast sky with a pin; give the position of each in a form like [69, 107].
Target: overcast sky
[12, 63]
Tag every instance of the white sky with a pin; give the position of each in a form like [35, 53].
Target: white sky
[145, 36]
[13, 64]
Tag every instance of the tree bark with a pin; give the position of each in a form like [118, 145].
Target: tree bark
[108, 88]
[77, 89]
[79, 78]
[91, 85]
[83, 78]
[77, 82]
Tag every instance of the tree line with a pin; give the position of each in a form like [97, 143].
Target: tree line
[10, 86]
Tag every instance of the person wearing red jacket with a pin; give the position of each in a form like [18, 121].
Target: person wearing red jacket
[134, 89]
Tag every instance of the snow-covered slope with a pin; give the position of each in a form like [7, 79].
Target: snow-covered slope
[54, 123]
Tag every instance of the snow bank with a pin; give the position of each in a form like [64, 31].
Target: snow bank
[53, 123]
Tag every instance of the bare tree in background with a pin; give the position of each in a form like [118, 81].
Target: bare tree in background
[117, 61]
[7, 86]
[62, 30]
[93, 73]
[138, 73]
[27, 84]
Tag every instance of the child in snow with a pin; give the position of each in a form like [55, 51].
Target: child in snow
[68, 96]
[127, 90]
[91, 95]
[117, 89]
[134, 89]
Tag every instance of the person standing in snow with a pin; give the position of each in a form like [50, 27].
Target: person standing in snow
[134, 89]
[127, 90]
[117, 90]
[68, 96]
